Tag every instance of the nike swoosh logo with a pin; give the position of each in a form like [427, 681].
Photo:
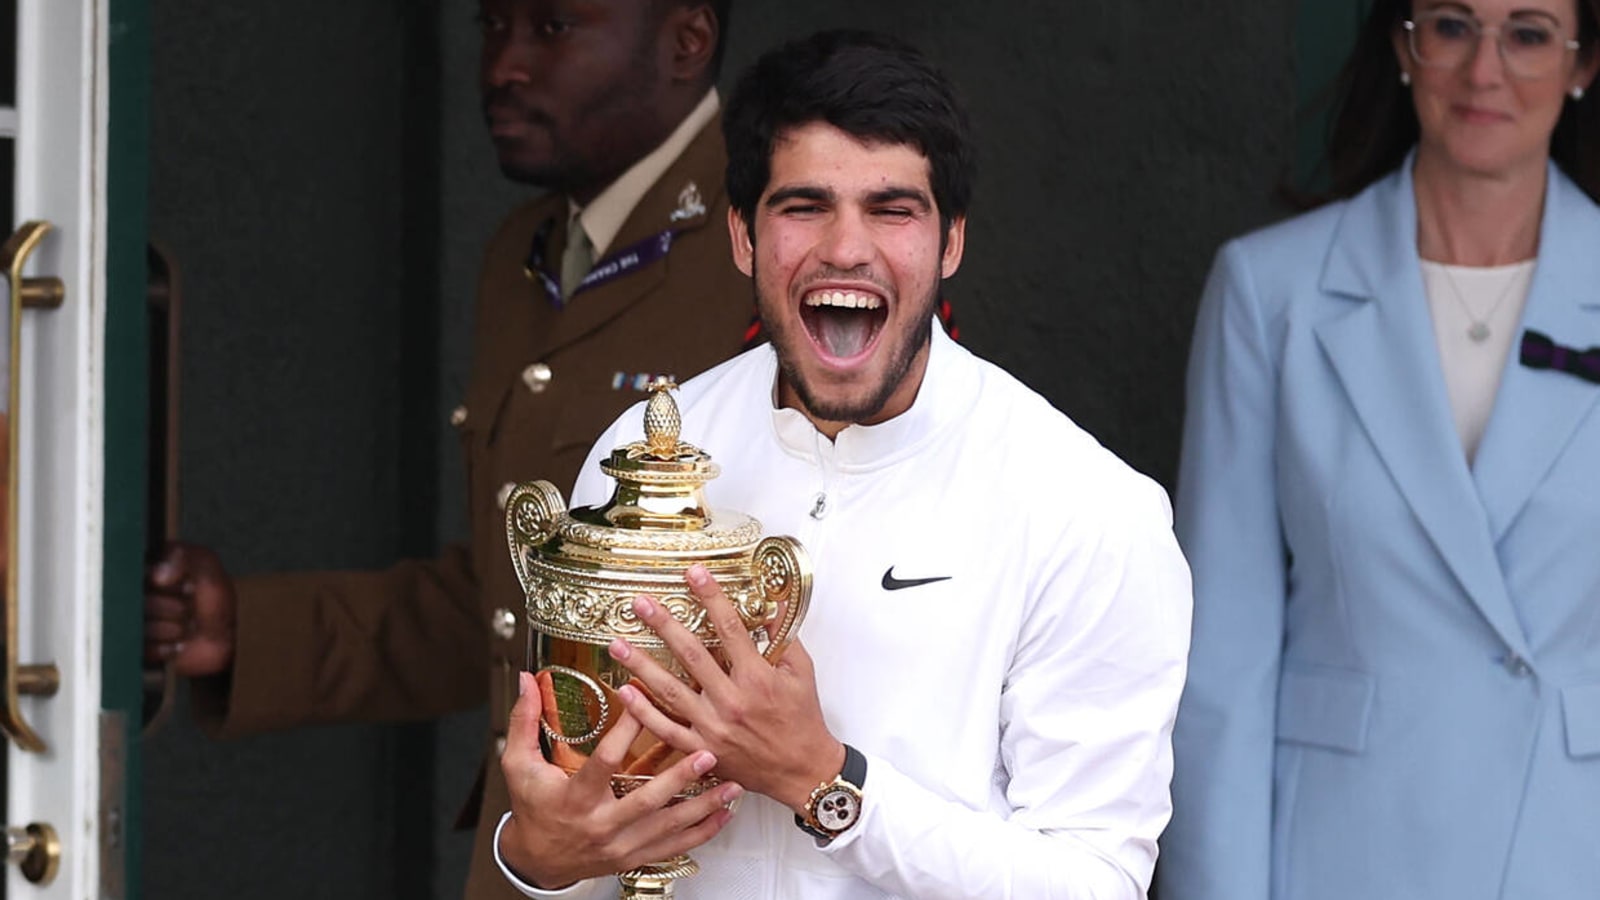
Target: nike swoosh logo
[891, 583]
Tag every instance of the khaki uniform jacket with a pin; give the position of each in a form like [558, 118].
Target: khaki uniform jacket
[428, 637]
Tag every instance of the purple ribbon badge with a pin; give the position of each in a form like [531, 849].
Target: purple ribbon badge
[1540, 352]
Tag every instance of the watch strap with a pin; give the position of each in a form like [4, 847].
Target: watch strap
[855, 767]
[854, 772]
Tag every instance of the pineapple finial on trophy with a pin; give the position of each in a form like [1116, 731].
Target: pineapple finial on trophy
[662, 422]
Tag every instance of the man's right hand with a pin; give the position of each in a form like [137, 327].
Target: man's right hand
[189, 611]
[565, 829]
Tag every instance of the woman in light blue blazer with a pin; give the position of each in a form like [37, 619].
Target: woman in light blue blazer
[1390, 490]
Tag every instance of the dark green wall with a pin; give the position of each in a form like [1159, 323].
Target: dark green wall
[277, 182]
[320, 171]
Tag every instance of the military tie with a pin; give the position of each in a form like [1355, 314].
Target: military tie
[577, 259]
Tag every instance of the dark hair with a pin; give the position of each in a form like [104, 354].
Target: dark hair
[1375, 124]
[874, 87]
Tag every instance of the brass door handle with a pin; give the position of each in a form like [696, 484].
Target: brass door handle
[33, 293]
[164, 305]
[36, 849]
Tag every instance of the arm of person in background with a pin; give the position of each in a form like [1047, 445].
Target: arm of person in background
[280, 651]
[1219, 844]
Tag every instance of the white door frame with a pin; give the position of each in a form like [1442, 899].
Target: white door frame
[61, 153]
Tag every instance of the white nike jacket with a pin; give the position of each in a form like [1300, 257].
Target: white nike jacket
[1016, 716]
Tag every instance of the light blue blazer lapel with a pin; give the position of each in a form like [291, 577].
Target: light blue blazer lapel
[1385, 354]
[1536, 411]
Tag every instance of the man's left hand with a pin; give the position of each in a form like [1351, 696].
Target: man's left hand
[761, 720]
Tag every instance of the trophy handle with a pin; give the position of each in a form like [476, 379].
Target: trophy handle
[783, 575]
[533, 510]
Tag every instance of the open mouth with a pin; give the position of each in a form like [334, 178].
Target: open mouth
[843, 324]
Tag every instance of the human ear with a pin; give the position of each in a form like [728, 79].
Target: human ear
[955, 244]
[1402, 53]
[1583, 78]
[694, 34]
[744, 249]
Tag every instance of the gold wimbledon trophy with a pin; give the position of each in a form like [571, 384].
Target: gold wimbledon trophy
[582, 568]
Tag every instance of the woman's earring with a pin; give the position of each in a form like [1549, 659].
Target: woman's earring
[1577, 92]
[1405, 78]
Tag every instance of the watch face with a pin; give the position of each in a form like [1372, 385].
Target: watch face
[838, 809]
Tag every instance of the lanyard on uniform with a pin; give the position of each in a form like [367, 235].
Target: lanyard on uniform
[611, 267]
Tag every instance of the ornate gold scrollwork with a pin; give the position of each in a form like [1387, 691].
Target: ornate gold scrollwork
[783, 576]
[534, 512]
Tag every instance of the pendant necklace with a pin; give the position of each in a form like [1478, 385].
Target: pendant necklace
[1479, 330]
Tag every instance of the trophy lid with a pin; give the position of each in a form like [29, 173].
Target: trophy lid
[582, 568]
[661, 458]
[660, 479]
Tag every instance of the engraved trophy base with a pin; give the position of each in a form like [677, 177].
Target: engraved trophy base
[655, 879]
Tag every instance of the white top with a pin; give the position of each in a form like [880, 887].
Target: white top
[1016, 718]
[1461, 299]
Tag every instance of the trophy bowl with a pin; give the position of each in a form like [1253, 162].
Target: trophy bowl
[580, 570]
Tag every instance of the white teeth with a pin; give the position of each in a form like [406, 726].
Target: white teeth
[843, 299]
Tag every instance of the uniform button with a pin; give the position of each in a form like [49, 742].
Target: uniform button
[458, 416]
[504, 623]
[504, 494]
[1517, 666]
[537, 376]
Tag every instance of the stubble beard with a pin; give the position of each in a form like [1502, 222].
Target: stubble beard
[790, 343]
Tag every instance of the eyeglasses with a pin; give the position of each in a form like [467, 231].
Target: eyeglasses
[1530, 47]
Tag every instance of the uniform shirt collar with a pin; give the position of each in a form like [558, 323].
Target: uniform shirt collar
[606, 213]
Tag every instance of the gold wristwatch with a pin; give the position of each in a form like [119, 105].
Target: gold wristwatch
[834, 806]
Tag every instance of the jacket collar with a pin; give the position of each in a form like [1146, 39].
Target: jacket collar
[607, 213]
[1537, 412]
[1380, 342]
[681, 201]
[949, 390]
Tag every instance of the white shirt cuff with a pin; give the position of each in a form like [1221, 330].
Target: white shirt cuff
[525, 888]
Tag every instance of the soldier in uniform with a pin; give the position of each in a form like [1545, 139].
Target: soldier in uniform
[620, 273]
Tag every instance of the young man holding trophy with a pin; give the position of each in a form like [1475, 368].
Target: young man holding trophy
[981, 697]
